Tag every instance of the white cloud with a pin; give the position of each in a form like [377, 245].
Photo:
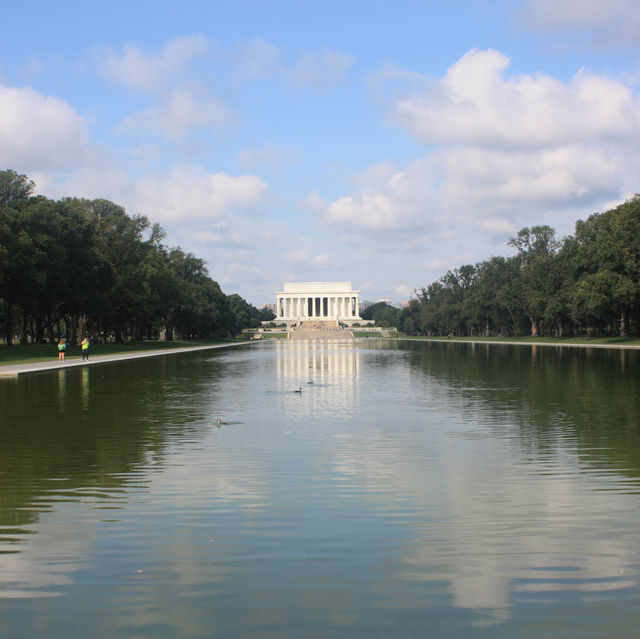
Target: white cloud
[209, 237]
[321, 71]
[611, 23]
[182, 197]
[371, 211]
[39, 132]
[492, 190]
[523, 181]
[403, 291]
[91, 182]
[190, 194]
[33, 68]
[148, 72]
[245, 272]
[314, 204]
[182, 112]
[387, 198]
[477, 104]
[514, 150]
[272, 157]
[296, 256]
[391, 75]
[434, 264]
[238, 240]
[301, 257]
[256, 58]
[320, 261]
[499, 225]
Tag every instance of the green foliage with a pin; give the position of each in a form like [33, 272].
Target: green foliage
[606, 257]
[266, 314]
[77, 265]
[247, 315]
[14, 188]
[383, 314]
[588, 283]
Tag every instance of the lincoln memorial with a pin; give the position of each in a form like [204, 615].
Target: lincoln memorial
[304, 301]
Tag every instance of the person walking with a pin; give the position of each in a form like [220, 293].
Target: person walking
[62, 347]
[85, 349]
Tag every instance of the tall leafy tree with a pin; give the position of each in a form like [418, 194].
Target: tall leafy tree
[605, 253]
[14, 188]
[246, 315]
[537, 247]
[498, 297]
[204, 310]
[383, 314]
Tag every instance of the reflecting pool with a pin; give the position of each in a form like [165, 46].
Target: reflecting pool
[408, 489]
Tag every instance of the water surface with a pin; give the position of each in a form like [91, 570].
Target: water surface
[411, 489]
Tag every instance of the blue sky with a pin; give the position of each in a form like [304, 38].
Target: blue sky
[377, 142]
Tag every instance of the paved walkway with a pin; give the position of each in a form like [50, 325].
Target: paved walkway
[13, 370]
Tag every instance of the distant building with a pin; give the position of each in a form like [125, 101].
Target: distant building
[271, 307]
[300, 301]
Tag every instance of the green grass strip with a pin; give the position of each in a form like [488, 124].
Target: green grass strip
[23, 354]
[582, 341]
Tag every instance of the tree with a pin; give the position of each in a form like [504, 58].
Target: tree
[32, 263]
[383, 314]
[537, 248]
[266, 314]
[498, 297]
[605, 255]
[246, 315]
[15, 246]
[434, 318]
[203, 310]
[14, 188]
[77, 263]
[125, 254]
[535, 241]
[410, 318]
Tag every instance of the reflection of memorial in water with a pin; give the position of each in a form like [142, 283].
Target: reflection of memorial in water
[326, 372]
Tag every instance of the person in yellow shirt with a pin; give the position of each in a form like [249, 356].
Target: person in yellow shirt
[85, 349]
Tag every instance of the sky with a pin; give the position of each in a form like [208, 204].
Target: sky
[377, 142]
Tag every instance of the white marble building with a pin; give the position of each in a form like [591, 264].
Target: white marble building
[305, 301]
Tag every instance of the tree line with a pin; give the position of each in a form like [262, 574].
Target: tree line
[587, 283]
[74, 267]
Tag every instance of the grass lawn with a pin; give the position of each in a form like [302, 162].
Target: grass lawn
[584, 341]
[18, 354]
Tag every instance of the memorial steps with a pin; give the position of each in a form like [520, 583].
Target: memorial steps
[318, 329]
